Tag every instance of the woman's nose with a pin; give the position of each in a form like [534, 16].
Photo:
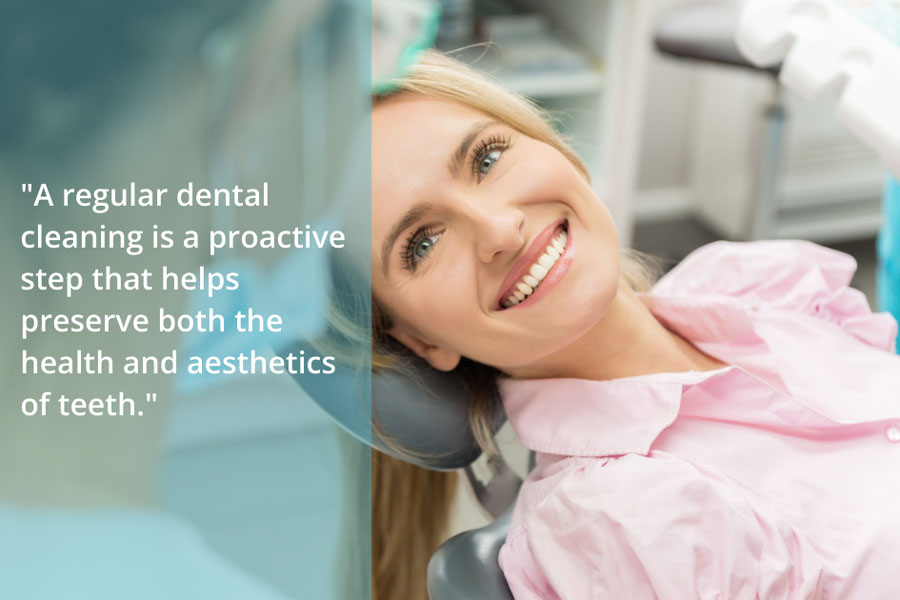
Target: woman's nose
[497, 230]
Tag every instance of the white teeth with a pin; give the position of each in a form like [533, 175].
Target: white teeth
[538, 271]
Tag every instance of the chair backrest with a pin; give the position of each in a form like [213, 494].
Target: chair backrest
[466, 567]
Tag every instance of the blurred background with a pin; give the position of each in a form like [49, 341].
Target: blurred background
[226, 487]
[677, 136]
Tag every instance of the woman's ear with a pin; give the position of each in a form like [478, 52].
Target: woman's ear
[438, 357]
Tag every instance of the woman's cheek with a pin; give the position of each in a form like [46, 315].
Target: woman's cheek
[547, 182]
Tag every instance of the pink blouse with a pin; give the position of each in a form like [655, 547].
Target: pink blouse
[775, 477]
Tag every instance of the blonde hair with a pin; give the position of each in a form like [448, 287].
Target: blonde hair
[411, 514]
[439, 76]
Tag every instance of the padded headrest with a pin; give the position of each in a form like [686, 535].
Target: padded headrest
[421, 410]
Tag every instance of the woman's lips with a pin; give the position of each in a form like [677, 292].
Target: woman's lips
[538, 269]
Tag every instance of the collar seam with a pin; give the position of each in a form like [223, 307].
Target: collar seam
[605, 452]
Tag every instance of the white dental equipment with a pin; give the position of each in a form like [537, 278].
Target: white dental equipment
[826, 51]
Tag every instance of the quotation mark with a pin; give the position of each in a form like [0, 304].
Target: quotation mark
[26, 188]
[151, 397]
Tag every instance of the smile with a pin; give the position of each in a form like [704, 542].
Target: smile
[533, 270]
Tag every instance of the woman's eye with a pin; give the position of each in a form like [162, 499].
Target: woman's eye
[418, 247]
[488, 161]
[488, 155]
[424, 246]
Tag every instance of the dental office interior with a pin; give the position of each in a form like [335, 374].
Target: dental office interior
[689, 141]
[253, 490]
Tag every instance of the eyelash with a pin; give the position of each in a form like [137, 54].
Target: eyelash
[485, 147]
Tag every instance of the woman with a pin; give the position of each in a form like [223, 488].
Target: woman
[732, 434]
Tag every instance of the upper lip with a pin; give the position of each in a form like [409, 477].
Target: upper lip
[523, 265]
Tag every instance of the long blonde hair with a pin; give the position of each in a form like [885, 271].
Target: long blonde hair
[404, 495]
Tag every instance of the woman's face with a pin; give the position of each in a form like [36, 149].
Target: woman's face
[485, 243]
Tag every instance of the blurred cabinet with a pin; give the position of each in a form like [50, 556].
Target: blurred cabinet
[829, 183]
[585, 61]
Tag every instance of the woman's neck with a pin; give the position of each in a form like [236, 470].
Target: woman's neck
[628, 341]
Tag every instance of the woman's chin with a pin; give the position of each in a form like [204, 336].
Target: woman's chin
[552, 338]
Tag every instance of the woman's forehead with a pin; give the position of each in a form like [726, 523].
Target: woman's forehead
[412, 114]
[413, 140]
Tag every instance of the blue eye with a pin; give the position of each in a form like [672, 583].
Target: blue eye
[489, 152]
[488, 161]
[424, 246]
[418, 246]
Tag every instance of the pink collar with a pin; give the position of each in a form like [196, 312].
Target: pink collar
[580, 417]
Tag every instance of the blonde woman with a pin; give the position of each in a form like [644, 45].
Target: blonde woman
[732, 433]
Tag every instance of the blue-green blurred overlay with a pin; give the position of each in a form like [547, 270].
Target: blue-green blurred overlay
[226, 486]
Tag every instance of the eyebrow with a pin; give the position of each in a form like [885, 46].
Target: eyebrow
[409, 218]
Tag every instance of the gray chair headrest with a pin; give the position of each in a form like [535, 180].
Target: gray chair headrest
[420, 410]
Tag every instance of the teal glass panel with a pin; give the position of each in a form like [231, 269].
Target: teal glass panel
[222, 152]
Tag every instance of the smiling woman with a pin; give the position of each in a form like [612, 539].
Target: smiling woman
[730, 433]
[462, 213]
[464, 173]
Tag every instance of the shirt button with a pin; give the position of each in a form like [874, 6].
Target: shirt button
[893, 433]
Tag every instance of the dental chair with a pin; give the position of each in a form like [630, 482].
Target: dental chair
[425, 412]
